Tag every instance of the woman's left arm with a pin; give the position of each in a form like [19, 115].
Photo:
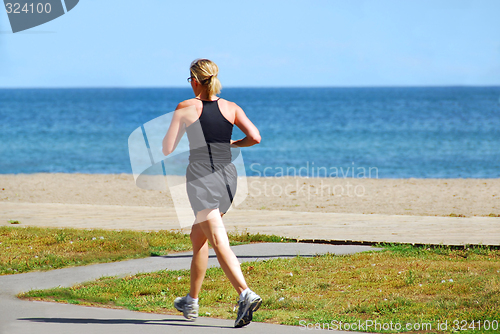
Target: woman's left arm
[175, 131]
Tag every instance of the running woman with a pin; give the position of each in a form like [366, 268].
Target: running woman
[211, 181]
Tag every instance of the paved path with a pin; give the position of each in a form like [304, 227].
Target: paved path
[24, 317]
[301, 225]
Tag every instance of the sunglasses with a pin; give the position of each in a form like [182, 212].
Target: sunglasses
[190, 79]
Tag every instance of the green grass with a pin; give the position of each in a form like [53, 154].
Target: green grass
[456, 215]
[33, 248]
[401, 283]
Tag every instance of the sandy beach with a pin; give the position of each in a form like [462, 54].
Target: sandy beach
[416, 197]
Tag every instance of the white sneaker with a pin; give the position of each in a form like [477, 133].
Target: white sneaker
[190, 311]
[246, 308]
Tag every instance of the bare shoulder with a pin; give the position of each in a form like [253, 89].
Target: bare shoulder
[187, 111]
[186, 104]
[229, 105]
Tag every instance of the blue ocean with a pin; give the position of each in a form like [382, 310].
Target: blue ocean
[427, 132]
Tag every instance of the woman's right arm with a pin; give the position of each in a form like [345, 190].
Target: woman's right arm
[249, 129]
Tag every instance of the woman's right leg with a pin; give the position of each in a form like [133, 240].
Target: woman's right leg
[214, 230]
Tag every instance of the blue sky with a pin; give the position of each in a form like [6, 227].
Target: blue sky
[150, 43]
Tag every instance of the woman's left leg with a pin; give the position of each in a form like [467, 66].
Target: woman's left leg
[188, 305]
[199, 261]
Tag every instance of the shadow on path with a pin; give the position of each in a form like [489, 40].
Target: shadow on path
[87, 321]
[241, 256]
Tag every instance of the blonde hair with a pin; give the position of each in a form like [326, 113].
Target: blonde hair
[205, 72]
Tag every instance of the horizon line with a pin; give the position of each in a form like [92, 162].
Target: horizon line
[256, 87]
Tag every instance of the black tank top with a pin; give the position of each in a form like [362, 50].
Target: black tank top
[212, 144]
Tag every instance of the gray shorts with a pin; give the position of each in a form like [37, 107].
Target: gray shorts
[211, 185]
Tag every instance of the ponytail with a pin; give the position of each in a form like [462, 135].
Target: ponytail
[214, 86]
